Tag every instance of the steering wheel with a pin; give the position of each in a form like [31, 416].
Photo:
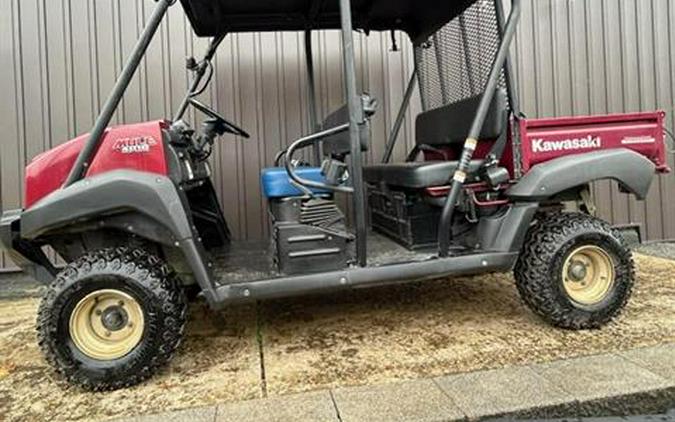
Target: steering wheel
[227, 125]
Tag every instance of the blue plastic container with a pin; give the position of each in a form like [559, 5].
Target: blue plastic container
[275, 182]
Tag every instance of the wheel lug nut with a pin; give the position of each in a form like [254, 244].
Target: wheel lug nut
[121, 303]
[107, 333]
[130, 325]
[98, 312]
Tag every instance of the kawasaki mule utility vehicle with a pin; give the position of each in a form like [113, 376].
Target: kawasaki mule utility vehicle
[132, 209]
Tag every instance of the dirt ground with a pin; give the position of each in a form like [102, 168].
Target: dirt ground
[358, 337]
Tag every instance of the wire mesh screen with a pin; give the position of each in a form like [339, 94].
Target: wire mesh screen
[454, 64]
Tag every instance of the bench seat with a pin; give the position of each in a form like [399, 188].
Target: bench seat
[415, 175]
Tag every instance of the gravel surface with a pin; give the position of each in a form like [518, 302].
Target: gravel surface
[353, 338]
[18, 285]
[661, 249]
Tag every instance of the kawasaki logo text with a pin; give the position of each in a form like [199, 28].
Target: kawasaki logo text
[589, 142]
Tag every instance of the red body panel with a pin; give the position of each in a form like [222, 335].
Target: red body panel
[135, 147]
[545, 139]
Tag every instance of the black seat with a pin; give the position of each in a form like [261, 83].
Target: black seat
[415, 174]
[441, 127]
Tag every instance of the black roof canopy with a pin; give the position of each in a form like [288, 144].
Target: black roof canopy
[418, 18]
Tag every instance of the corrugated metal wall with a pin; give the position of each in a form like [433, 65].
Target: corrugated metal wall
[60, 58]
[603, 56]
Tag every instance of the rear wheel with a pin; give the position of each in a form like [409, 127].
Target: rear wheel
[111, 318]
[574, 271]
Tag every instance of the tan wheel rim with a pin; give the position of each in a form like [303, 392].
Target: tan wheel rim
[588, 275]
[106, 324]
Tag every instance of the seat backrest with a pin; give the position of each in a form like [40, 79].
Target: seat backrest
[339, 143]
[450, 124]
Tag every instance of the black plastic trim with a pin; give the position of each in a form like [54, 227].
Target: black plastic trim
[632, 170]
[25, 254]
[364, 277]
[114, 192]
[506, 232]
[101, 198]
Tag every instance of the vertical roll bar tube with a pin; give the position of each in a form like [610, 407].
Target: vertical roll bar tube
[511, 85]
[393, 136]
[356, 118]
[476, 127]
[311, 93]
[90, 147]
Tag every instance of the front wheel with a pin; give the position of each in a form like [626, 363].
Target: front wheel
[574, 271]
[111, 318]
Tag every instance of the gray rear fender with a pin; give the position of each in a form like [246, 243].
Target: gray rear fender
[145, 204]
[633, 171]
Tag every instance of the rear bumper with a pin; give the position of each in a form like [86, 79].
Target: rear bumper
[25, 254]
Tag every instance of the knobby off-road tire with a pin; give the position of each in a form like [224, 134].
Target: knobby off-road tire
[545, 277]
[135, 291]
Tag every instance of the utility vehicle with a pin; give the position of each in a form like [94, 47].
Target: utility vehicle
[133, 213]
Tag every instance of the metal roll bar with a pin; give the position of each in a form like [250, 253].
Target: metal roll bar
[311, 93]
[509, 74]
[356, 117]
[306, 141]
[103, 119]
[393, 135]
[199, 72]
[476, 127]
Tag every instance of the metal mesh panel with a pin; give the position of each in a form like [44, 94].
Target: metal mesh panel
[454, 64]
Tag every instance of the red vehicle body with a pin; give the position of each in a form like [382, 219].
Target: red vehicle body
[546, 139]
[134, 147]
[138, 147]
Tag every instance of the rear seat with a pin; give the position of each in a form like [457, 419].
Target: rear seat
[415, 174]
[441, 127]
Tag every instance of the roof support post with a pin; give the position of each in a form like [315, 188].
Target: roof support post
[511, 85]
[86, 154]
[356, 118]
[311, 93]
[393, 136]
[445, 225]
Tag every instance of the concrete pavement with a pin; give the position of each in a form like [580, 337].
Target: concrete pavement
[639, 381]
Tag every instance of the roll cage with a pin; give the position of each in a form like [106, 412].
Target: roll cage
[418, 18]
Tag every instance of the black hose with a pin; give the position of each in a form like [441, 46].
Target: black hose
[201, 90]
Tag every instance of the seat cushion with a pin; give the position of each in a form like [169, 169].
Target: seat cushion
[415, 175]
[450, 124]
[275, 182]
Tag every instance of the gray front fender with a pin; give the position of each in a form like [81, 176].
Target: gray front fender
[632, 170]
[114, 196]
[110, 193]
